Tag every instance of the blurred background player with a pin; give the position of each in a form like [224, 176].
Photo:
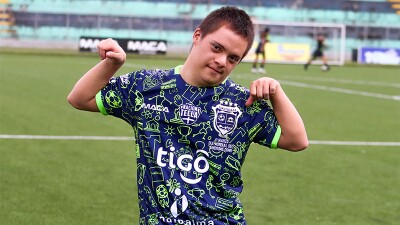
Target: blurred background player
[264, 38]
[319, 53]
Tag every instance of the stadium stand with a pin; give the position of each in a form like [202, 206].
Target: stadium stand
[373, 21]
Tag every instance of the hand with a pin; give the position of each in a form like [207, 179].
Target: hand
[109, 49]
[263, 88]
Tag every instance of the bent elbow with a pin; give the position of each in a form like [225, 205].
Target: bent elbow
[300, 146]
[295, 143]
[80, 103]
[74, 102]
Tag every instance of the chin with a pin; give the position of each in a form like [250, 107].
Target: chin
[213, 82]
[212, 78]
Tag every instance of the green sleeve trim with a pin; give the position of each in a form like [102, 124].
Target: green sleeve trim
[177, 69]
[100, 105]
[278, 133]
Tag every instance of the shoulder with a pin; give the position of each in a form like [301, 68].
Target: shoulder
[236, 89]
[149, 74]
[153, 72]
[147, 79]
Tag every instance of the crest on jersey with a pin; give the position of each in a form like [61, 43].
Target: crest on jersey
[226, 117]
[189, 113]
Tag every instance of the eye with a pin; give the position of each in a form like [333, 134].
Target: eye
[233, 59]
[216, 47]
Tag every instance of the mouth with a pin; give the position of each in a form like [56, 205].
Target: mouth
[219, 71]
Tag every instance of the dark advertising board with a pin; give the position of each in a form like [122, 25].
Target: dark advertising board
[137, 46]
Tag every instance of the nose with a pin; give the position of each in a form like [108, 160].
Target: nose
[220, 59]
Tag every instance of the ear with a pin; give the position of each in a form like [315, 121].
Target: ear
[196, 35]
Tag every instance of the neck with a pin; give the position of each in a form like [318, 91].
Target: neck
[186, 74]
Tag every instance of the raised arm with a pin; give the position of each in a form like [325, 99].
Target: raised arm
[83, 95]
[294, 136]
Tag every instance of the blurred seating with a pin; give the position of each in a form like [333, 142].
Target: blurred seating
[175, 20]
[347, 12]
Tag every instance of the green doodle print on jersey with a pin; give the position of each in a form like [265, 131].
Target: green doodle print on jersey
[191, 143]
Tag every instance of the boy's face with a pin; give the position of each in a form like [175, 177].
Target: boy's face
[215, 56]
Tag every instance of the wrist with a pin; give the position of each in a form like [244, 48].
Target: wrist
[278, 94]
[113, 63]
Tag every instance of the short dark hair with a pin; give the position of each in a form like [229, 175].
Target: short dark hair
[234, 19]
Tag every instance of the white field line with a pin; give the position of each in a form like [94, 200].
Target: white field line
[116, 138]
[340, 90]
[345, 81]
[135, 65]
[358, 143]
[52, 137]
[143, 66]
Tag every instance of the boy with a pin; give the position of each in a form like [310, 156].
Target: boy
[193, 125]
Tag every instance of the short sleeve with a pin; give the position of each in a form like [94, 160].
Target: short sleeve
[265, 125]
[115, 98]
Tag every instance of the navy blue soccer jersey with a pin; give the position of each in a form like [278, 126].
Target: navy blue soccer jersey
[191, 143]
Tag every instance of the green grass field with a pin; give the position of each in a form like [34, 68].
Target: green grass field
[67, 182]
